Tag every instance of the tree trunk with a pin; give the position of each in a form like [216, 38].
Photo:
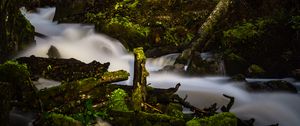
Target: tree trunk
[205, 31]
[139, 79]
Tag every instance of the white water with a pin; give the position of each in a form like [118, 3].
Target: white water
[80, 42]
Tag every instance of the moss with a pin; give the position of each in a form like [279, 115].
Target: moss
[117, 100]
[256, 70]
[295, 21]
[175, 110]
[54, 119]
[222, 119]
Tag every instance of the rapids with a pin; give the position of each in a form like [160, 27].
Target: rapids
[81, 42]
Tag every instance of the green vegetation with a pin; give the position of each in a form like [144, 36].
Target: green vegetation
[222, 119]
[89, 115]
[248, 30]
[117, 100]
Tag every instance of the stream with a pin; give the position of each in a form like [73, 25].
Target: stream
[81, 42]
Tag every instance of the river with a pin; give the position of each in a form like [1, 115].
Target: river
[81, 42]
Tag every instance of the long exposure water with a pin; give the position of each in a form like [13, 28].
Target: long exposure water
[81, 42]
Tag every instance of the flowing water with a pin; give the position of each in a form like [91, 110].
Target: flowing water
[81, 42]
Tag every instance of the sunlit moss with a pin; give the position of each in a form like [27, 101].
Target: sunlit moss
[117, 100]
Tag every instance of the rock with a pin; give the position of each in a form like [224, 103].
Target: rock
[234, 64]
[256, 71]
[53, 52]
[272, 86]
[238, 77]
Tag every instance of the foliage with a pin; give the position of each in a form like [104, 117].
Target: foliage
[15, 73]
[126, 24]
[222, 119]
[247, 30]
[177, 35]
[117, 100]
[295, 21]
[89, 114]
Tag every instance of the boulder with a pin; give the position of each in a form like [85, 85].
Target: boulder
[272, 86]
[234, 64]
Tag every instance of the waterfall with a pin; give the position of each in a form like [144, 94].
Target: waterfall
[81, 42]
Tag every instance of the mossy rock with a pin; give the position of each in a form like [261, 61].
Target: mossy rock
[234, 64]
[256, 71]
[222, 119]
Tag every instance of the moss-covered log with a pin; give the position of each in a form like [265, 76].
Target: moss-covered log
[63, 69]
[71, 92]
[139, 118]
[139, 80]
[205, 30]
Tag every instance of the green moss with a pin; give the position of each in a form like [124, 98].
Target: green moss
[222, 119]
[15, 73]
[55, 119]
[256, 70]
[175, 110]
[246, 30]
[124, 23]
[117, 100]
[139, 54]
[295, 21]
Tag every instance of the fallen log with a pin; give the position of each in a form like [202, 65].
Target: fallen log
[70, 92]
[62, 69]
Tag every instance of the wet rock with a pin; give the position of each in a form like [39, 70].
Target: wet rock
[53, 52]
[272, 86]
[238, 77]
[234, 64]
[206, 64]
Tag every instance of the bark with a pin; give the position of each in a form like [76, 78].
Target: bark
[139, 79]
[205, 31]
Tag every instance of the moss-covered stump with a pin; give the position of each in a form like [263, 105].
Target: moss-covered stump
[54, 119]
[222, 119]
[16, 31]
[139, 80]
[70, 94]
[63, 69]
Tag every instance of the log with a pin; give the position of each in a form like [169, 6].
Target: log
[62, 69]
[205, 31]
[139, 80]
[70, 92]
